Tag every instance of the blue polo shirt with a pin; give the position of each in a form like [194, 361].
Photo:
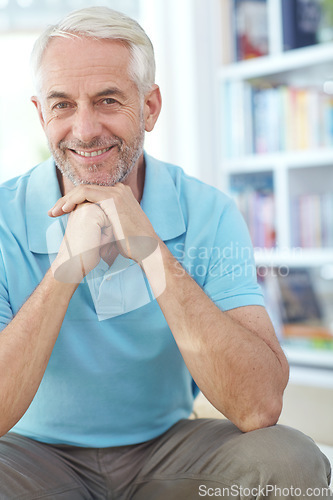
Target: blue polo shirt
[116, 376]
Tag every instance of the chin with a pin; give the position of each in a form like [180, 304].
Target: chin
[102, 174]
[98, 177]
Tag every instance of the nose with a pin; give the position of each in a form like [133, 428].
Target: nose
[86, 125]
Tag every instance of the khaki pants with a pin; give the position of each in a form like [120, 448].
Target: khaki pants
[194, 459]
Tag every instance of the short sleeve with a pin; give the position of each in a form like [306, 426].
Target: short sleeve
[6, 313]
[231, 280]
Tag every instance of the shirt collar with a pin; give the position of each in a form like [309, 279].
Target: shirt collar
[42, 192]
[160, 202]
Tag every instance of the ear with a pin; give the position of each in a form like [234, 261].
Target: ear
[152, 107]
[38, 105]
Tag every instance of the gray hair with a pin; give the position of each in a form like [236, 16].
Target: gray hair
[105, 24]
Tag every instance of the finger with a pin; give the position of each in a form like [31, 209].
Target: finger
[61, 209]
[109, 208]
[63, 205]
[77, 196]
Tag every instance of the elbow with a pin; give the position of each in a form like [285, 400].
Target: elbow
[3, 429]
[268, 410]
[267, 416]
[7, 422]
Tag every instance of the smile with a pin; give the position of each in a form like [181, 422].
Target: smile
[92, 153]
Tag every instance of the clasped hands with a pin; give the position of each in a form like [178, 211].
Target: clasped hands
[103, 222]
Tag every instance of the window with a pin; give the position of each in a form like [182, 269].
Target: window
[180, 31]
[22, 141]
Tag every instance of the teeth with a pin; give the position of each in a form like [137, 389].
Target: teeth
[93, 153]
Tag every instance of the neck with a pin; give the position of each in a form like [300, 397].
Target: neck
[136, 178]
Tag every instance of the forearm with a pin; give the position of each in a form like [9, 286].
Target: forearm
[241, 374]
[26, 345]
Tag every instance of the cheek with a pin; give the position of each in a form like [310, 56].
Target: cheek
[126, 125]
[128, 118]
[54, 118]
[55, 130]
[50, 118]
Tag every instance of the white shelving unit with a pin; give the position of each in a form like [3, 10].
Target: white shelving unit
[294, 172]
[282, 63]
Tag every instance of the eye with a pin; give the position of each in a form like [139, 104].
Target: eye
[61, 105]
[109, 101]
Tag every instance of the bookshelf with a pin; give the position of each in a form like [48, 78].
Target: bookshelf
[275, 117]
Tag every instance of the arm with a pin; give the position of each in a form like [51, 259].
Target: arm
[234, 356]
[27, 342]
[26, 345]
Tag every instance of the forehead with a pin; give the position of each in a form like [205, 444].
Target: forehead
[83, 61]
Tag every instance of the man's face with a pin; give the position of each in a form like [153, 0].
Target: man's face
[91, 110]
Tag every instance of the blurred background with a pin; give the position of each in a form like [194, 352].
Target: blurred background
[247, 89]
[186, 120]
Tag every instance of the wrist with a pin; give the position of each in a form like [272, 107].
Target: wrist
[57, 287]
[68, 270]
[154, 268]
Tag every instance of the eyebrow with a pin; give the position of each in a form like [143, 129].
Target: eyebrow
[112, 91]
[56, 95]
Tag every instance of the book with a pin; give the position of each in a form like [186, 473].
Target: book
[250, 22]
[296, 305]
[319, 336]
[300, 22]
[265, 118]
[254, 195]
[312, 220]
[299, 301]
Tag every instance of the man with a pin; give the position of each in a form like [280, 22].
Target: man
[104, 331]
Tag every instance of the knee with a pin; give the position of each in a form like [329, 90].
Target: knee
[280, 455]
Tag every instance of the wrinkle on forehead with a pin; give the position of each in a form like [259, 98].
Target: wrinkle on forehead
[85, 58]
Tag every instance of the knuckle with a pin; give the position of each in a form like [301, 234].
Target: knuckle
[83, 189]
[85, 207]
[116, 194]
[91, 207]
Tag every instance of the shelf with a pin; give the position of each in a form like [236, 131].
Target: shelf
[296, 257]
[317, 359]
[316, 55]
[290, 159]
[307, 376]
[277, 103]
